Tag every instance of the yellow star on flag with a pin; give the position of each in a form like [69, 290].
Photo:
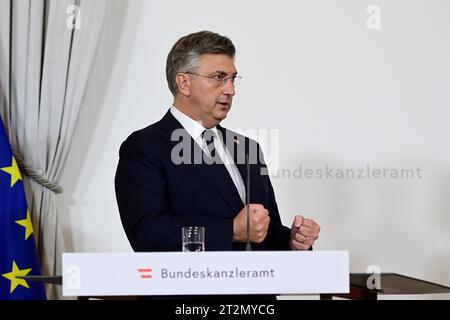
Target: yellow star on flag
[27, 224]
[14, 171]
[11, 276]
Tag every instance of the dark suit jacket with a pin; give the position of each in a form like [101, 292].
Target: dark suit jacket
[157, 198]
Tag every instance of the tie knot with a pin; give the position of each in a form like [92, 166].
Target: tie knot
[208, 135]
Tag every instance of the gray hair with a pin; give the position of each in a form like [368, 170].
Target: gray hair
[185, 54]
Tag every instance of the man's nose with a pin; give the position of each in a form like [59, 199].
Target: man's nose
[228, 87]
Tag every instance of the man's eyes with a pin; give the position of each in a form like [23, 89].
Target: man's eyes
[219, 77]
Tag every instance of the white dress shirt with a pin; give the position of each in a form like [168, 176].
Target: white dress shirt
[195, 130]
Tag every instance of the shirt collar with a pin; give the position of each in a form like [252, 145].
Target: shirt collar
[193, 127]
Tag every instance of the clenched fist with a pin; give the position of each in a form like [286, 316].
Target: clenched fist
[259, 224]
[304, 233]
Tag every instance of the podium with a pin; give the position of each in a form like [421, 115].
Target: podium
[130, 275]
[391, 283]
[205, 273]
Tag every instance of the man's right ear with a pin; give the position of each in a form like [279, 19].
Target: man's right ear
[184, 84]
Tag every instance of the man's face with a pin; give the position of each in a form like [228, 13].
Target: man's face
[212, 99]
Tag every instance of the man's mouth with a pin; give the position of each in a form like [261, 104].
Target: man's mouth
[222, 103]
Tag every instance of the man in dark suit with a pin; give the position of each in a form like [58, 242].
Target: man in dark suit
[187, 170]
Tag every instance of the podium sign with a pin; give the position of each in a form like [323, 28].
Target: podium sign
[205, 273]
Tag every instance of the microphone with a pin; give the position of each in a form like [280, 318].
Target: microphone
[248, 246]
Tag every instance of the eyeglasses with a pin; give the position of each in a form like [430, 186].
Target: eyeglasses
[220, 78]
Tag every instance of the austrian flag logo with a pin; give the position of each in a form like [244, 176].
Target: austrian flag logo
[145, 273]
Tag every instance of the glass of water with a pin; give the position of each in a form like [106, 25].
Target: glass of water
[193, 239]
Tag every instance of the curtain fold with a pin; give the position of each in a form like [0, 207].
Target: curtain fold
[44, 70]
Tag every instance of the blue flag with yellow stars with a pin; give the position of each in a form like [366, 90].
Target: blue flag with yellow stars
[18, 257]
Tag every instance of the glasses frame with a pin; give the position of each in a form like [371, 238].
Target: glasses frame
[235, 79]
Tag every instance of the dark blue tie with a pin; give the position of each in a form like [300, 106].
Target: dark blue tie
[208, 136]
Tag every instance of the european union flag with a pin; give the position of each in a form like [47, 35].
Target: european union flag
[18, 255]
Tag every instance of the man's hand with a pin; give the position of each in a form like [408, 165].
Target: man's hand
[259, 223]
[304, 233]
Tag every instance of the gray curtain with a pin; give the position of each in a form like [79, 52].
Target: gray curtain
[47, 48]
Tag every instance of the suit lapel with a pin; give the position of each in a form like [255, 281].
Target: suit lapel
[236, 147]
[216, 174]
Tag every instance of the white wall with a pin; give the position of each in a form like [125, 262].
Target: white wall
[340, 94]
